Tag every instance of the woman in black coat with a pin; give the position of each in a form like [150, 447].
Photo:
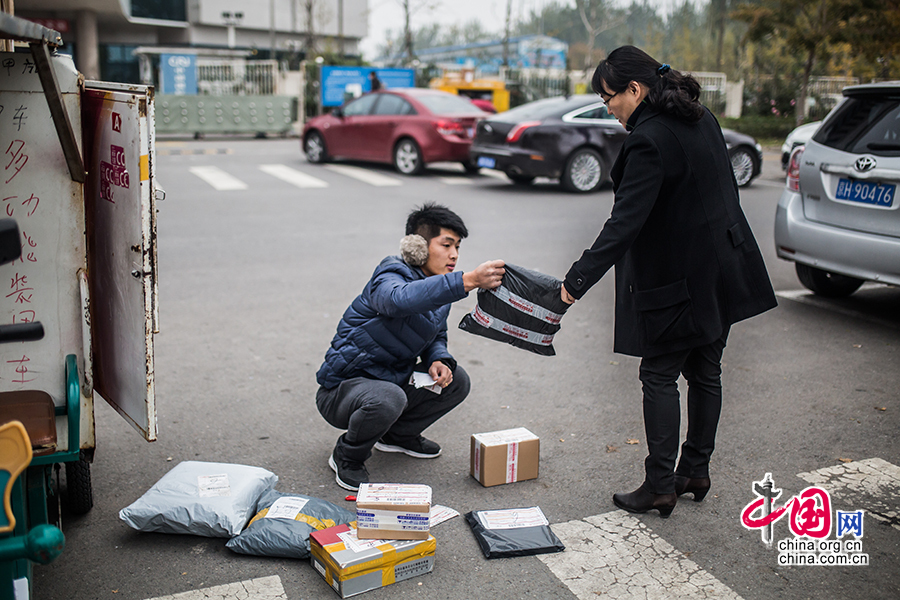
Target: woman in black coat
[687, 265]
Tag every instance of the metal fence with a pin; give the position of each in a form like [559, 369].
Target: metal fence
[216, 77]
[526, 85]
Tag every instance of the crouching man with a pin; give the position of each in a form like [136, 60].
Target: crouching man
[399, 318]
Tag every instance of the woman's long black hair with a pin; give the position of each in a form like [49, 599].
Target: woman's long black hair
[670, 91]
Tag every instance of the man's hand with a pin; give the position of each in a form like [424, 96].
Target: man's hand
[486, 276]
[441, 373]
[566, 296]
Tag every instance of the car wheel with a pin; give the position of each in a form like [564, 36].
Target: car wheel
[519, 179]
[823, 283]
[314, 147]
[408, 157]
[744, 165]
[583, 171]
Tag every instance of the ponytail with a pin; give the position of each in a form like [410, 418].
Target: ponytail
[671, 92]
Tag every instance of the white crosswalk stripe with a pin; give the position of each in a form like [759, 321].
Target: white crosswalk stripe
[454, 180]
[364, 175]
[262, 588]
[218, 178]
[494, 173]
[615, 555]
[293, 176]
[872, 484]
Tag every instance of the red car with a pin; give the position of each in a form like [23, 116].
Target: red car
[407, 127]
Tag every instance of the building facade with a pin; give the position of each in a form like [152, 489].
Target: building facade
[103, 34]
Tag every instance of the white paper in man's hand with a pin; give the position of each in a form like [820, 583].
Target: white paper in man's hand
[424, 380]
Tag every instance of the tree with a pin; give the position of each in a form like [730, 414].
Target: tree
[410, 8]
[596, 18]
[718, 15]
[872, 33]
[808, 25]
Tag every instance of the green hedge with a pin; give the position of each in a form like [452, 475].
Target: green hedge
[762, 128]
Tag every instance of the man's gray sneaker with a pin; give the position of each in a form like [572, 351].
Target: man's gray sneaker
[417, 447]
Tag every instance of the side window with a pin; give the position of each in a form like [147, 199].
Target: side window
[591, 114]
[389, 104]
[360, 106]
[598, 112]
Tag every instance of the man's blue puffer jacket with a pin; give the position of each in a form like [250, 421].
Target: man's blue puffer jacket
[401, 315]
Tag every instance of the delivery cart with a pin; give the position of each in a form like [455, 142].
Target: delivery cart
[77, 176]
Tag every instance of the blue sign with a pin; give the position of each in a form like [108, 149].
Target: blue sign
[342, 83]
[178, 74]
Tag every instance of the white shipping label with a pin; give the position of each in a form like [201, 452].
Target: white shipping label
[388, 519]
[213, 485]
[439, 514]
[512, 462]
[498, 438]
[286, 508]
[319, 567]
[352, 542]
[513, 518]
[394, 493]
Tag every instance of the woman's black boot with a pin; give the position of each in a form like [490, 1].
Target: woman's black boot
[698, 486]
[641, 501]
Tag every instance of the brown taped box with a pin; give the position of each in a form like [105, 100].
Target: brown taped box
[393, 511]
[507, 456]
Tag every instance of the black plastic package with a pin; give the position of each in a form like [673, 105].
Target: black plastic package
[524, 311]
[499, 537]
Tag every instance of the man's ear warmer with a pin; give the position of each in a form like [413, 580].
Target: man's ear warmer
[414, 250]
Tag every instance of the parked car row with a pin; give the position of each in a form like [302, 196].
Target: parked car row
[573, 139]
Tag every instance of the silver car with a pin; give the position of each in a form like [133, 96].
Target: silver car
[838, 216]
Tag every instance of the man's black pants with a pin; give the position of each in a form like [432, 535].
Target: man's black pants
[702, 368]
[369, 409]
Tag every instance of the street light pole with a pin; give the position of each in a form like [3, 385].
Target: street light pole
[341, 28]
[272, 29]
[232, 19]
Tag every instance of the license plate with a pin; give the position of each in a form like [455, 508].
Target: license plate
[471, 132]
[487, 162]
[866, 192]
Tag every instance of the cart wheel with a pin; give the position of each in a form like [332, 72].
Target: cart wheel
[79, 495]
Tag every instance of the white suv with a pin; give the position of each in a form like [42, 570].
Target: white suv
[838, 216]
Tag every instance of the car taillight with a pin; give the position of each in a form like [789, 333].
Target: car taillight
[516, 132]
[445, 127]
[793, 172]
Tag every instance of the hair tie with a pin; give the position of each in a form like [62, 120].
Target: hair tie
[663, 70]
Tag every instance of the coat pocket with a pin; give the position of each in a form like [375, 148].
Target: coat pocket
[666, 313]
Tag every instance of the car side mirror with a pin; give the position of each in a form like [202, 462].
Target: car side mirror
[338, 112]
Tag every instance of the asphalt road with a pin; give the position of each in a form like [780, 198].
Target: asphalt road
[252, 283]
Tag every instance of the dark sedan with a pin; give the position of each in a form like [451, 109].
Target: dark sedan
[406, 127]
[575, 140]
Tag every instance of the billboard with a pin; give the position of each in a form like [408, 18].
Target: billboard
[340, 84]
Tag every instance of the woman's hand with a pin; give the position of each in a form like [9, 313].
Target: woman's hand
[486, 276]
[441, 373]
[565, 295]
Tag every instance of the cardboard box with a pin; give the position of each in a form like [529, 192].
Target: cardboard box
[505, 456]
[393, 511]
[352, 566]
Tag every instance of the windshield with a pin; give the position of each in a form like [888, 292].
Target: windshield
[865, 124]
[448, 104]
[548, 107]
